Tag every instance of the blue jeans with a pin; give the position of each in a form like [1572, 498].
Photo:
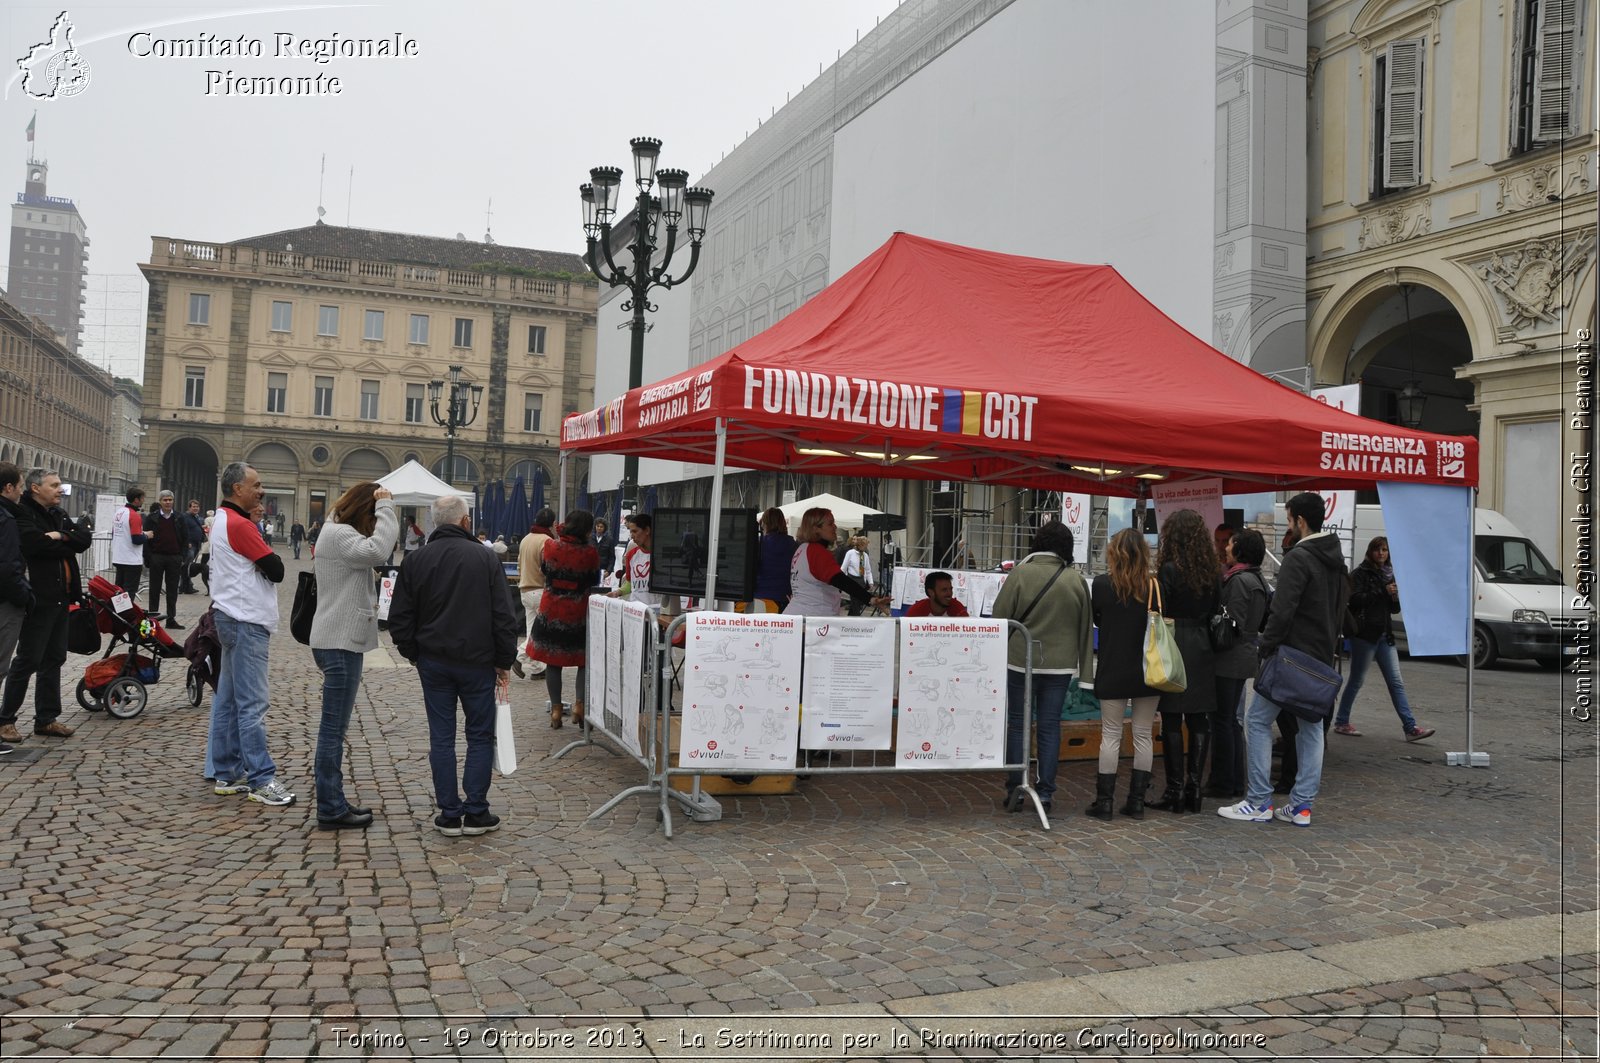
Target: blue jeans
[1361, 655]
[1308, 742]
[442, 685]
[341, 680]
[238, 742]
[1049, 695]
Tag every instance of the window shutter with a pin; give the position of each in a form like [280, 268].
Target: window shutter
[1554, 68]
[1402, 115]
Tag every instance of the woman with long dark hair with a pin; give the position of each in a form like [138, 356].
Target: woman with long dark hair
[1374, 599]
[361, 532]
[1119, 598]
[1186, 559]
[571, 566]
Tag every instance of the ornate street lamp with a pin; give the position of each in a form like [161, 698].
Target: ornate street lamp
[456, 414]
[667, 207]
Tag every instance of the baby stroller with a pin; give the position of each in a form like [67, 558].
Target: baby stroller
[117, 682]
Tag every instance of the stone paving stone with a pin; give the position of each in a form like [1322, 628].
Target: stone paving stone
[854, 890]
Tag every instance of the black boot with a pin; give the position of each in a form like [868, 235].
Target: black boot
[1105, 792]
[1137, 785]
[1199, 746]
[1171, 799]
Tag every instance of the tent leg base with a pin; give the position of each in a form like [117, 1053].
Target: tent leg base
[1467, 760]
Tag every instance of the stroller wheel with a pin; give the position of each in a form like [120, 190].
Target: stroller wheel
[88, 700]
[124, 697]
[195, 686]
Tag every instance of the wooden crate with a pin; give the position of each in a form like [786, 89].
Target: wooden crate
[721, 786]
[1080, 740]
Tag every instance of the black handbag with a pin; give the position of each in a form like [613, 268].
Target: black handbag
[1295, 680]
[304, 609]
[83, 635]
[1223, 630]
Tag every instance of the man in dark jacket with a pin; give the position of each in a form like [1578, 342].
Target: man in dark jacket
[452, 615]
[1306, 609]
[193, 533]
[163, 556]
[51, 544]
[16, 593]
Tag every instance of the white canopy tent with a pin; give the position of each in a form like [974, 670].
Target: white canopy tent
[412, 485]
[847, 514]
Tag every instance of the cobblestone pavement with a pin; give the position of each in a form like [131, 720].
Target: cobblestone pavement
[142, 915]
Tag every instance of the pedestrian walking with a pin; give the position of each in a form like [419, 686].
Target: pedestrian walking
[1374, 599]
[194, 537]
[452, 615]
[297, 535]
[530, 584]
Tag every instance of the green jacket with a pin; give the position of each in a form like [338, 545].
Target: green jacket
[1062, 621]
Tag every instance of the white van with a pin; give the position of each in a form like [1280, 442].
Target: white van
[1522, 609]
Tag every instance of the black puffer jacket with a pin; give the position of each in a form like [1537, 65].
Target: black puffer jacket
[1309, 602]
[52, 563]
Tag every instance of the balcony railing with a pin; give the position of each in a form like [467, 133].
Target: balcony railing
[234, 259]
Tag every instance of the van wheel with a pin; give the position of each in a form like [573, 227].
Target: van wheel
[1484, 651]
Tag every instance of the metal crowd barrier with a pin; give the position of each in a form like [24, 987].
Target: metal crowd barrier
[656, 756]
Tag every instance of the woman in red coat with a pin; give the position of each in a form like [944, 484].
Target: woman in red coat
[571, 566]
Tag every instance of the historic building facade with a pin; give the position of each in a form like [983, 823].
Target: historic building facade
[56, 410]
[1451, 228]
[309, 353]
[49, 256]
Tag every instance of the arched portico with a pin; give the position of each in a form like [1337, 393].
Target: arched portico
[190, 468]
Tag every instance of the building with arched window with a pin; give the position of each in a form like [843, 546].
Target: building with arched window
[310, 354]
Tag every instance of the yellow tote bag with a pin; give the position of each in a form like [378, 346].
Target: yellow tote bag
[1163, 664]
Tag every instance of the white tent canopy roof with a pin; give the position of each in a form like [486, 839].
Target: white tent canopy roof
[847, 514]
[412, 485]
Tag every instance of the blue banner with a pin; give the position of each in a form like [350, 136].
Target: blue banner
[1430, 543]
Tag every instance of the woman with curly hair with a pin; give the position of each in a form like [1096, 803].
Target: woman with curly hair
[1118, 598]
[571, 567]
[1188, 575]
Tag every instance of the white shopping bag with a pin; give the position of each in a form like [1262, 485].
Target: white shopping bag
[505, 746]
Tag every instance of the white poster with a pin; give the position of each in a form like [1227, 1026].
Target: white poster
[635, 615]
[1202, 496]
[1075, 515]
[105, 510]
[595, 653]
[741, 692]
[952, 693]
[848, 690]
[1340, 506]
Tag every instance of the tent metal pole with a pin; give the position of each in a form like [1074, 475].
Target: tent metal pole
[561, 495]
[716, 514]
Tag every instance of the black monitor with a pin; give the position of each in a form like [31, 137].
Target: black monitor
[678, 552]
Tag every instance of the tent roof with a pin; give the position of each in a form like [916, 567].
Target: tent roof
[929, 360]
[412, 485]
[846, 513]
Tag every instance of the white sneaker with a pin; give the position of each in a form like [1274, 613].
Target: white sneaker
[272, 794]
[1246, 812]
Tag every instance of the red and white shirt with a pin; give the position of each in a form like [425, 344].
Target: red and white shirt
[237, 587]
[810, 593]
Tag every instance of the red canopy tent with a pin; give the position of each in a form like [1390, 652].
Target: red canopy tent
[929, 360]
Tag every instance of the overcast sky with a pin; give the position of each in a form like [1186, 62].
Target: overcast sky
[513, 101]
